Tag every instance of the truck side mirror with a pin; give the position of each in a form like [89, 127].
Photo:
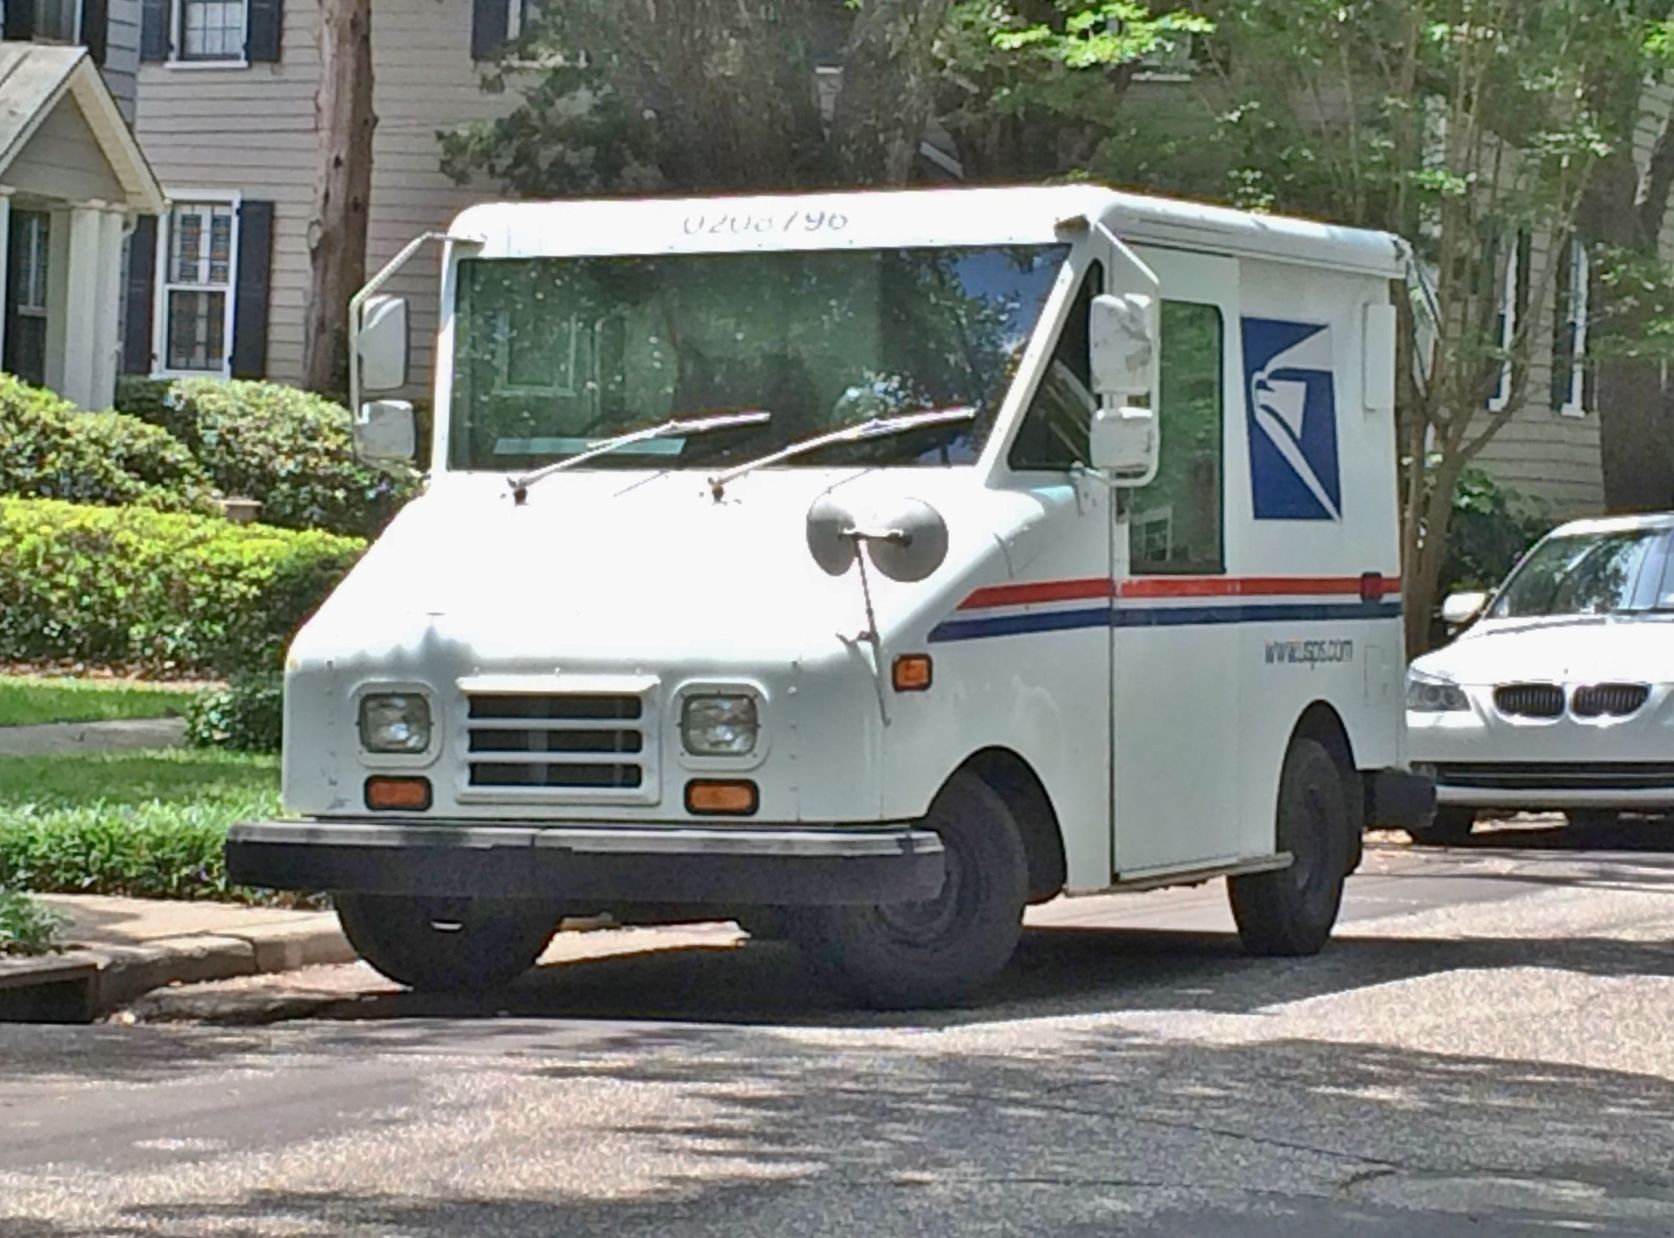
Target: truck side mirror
[1122, 342]
[382, 341]
[385, 432]
[1460, 608]
[1124, 444]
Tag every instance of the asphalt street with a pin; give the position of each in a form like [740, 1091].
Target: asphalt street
[1487, 1049]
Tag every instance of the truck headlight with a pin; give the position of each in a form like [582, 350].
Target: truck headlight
[719, 726]
[394, 722]
[1428, 695]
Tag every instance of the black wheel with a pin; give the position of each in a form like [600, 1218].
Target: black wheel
[1292, 911]
[905, 955]
[1592, 818]
[1448, 827]
[445, 945]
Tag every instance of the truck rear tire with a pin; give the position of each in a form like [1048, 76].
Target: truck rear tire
[903, 956]
[445, 945]
[1292, 911]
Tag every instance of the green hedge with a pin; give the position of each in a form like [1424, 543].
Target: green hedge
[289, 449]
[167, 592]
[51, 449]
[247, 715]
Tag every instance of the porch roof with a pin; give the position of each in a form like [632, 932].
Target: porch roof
[35, 78]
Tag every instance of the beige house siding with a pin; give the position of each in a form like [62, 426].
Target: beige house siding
[252, 131]
[64, 160]
[122, 52]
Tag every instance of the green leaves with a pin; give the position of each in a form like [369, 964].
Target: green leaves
[26, 926]
[166, 592]
[1084, 36]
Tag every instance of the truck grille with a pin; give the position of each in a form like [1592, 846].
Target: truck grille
[1614, 700]
[1529, 700]
[571, 742]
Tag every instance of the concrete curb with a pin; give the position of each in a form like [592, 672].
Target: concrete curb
[82, 985]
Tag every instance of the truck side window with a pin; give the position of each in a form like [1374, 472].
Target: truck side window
[1175, 523]
[1054, 431]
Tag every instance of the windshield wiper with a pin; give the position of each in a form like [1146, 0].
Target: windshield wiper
[701, 425]
[874, 427]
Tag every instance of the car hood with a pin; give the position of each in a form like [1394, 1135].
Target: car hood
[1578, 649]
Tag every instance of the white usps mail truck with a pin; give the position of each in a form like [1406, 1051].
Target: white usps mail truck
[864, 567]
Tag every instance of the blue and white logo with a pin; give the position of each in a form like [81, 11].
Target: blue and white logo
[1289, 381]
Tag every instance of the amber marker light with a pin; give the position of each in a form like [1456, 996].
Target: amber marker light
[912, 672]
[722, 799]
[398, 794]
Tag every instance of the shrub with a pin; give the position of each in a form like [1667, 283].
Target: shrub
[27, 927]
[1492, 525]
[245, 716]
[289, 449]
[51, 449]
[167, 592]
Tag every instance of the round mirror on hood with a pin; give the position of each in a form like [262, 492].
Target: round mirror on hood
[829, 527]
[920, 543]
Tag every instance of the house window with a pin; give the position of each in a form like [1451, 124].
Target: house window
[57, 21]
[1514, 304]
[211, 29]
[517, 18]
[32, 239]
[195, 301]
[1571, 388]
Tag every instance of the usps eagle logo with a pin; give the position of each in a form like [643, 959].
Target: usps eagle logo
[1290, 384]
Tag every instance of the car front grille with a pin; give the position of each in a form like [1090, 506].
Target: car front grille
[1612, 700]
[1559, 775]
[575, 745]
[1529, 700]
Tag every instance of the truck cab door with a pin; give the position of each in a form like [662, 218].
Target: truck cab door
[1174, 636]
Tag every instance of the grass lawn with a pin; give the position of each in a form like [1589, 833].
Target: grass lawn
[28, 700]
[145, 824]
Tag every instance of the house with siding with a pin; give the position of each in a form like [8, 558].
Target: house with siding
[73, 186]
[226, 115]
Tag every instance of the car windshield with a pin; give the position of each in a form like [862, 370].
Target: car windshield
[553, 355]
[1580, 574]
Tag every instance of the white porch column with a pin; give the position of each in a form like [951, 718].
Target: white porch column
[58, 304]
[82, 311]
[5, 259]
[107, 345]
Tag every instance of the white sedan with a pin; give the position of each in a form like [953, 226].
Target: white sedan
[1560, 694]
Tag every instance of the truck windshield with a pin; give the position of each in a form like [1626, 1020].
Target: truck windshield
[554, 355]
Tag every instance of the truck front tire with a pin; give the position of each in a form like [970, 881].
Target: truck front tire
[445, 945]
[934, 953]
[1292, 911]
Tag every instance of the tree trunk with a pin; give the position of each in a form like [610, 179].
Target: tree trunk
[337, 240]
[888, 81]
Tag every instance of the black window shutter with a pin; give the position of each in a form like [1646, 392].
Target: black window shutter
[95, 28]
[262, 36]
[20, 20]
[154, 29]
[255, 268]
[142, 276]
[489, 28]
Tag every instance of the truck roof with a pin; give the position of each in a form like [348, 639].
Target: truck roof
[895, 218]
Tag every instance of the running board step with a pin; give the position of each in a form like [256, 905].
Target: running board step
[1156, 878]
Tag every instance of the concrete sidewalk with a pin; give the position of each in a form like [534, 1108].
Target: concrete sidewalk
[123, 947]
[59, 738]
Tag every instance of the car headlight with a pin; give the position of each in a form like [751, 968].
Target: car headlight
[395, 722]
[1427, 695]
[719, 726]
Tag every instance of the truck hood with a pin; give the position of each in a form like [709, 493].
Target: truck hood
[1573, 649]
[598, 566]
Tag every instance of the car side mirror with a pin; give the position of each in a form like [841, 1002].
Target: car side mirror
[1460, 608]
[1122, 343]
[383, 341]
[386, 432]
[1124, 444]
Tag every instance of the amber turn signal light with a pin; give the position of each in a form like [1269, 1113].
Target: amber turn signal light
[722, 799]
[398, 794]
[912, 672]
